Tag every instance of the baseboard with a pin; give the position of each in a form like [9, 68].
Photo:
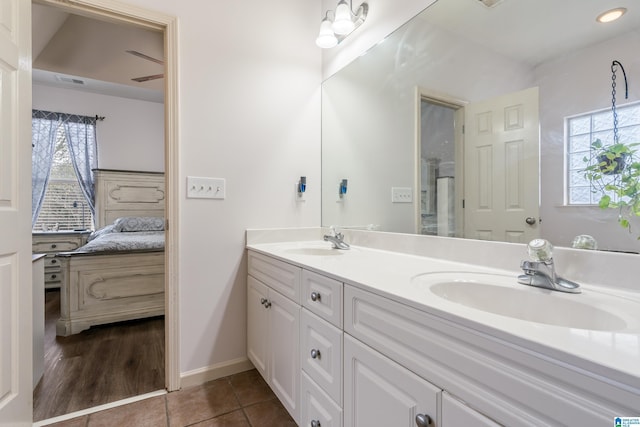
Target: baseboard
[213, 372]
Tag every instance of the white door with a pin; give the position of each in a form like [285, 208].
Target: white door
[501, 168]
[257, 326]
[284, 359]
[15, 214]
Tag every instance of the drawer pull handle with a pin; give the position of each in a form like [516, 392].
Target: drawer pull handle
[423, 420]
[53, 276]
[315, 353]
[315, 296]
[315, 423]
[54, 246]
[53, 261]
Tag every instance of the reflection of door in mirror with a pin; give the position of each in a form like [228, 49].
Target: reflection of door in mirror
[501, 164]
[439, 151]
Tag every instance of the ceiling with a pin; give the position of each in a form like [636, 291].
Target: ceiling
[81, 53]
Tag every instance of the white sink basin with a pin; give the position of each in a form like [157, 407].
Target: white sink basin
[502, 295]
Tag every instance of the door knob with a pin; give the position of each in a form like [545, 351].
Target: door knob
[423, 420]
[530, 220]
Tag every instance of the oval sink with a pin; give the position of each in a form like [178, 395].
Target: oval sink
[502, 295]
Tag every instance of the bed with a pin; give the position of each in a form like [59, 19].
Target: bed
[119, 274]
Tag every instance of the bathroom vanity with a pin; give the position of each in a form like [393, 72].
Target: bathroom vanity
[371, 337]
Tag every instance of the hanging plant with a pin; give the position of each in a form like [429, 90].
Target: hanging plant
[614, 170]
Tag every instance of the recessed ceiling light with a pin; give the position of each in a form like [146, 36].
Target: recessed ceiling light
[611, 15]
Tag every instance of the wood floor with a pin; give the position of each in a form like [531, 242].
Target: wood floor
[97, 366]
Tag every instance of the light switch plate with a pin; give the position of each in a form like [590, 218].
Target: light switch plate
[205, 188]
[401, 195]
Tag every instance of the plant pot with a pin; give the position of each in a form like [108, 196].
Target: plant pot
[612, 166]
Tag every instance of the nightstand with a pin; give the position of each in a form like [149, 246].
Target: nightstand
[52, 242]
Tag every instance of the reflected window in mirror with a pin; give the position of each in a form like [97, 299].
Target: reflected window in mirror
[582, 130]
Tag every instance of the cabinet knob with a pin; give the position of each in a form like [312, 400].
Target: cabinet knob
[315, 296]
[54, 261]
[263, 301]
[423, 420]
[315, 423]
[53, 276]
[267, 304]
[315, 353]
[53, 246]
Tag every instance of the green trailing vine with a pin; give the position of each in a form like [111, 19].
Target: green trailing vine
[614, 172]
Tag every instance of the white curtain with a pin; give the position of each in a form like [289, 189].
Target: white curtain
[80, 134]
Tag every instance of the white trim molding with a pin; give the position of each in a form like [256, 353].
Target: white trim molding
[213, 372]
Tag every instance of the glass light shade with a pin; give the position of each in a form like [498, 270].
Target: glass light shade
[343, 24]
[326, 38]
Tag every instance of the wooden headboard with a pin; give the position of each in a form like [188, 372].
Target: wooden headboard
[127, 193]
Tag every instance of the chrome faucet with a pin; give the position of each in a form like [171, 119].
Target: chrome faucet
[541, 271]
[337, 238]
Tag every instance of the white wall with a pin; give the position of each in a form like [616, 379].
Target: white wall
[131, 137]
[249, 112]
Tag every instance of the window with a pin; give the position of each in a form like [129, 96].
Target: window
[582, 130]
[64, 206]
[63, 156]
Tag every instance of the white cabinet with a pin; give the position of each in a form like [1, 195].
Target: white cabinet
[456, 413]
[380, 392]
[273, 333]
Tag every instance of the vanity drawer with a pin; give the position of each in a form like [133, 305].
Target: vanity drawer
[52, 277]
[284, 278]
[322, 296]
[321, 353]
[316, 405]
[51, 263]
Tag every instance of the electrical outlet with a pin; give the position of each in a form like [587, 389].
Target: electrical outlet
[401, 195]
[205, 188]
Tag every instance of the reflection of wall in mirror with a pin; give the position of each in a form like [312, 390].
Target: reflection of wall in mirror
[578, 83]
[368, 118]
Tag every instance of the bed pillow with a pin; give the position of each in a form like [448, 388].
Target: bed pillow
[139, 223]
[101, 232]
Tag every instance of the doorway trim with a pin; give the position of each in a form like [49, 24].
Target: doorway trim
[455, 104]
[117, 12]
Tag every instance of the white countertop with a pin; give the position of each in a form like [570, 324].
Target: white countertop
[615, 356]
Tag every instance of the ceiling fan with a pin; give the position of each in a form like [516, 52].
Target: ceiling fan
[148, 58]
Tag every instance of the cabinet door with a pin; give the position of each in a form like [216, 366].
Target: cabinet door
[257, 326]
[379, 392]
[284, 359]
[456, 413]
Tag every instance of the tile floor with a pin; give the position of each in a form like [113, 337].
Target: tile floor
[241, 400]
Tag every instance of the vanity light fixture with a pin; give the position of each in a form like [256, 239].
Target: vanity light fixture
[344, 22]
[611, 15]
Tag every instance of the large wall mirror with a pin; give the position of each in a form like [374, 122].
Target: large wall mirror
[457, 124]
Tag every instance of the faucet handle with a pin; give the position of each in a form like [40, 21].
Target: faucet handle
[540, 250]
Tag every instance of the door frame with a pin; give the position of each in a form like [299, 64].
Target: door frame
[458, 105]
[117, 12]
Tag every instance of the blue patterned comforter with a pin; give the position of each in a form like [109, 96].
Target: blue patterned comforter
[125, 241]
